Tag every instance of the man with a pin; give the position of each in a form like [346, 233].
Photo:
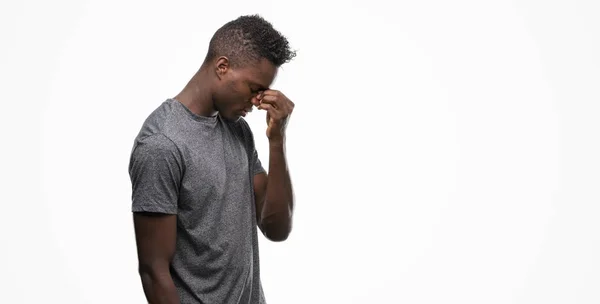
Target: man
[199, 189]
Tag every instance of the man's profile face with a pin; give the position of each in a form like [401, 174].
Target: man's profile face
[241, 85]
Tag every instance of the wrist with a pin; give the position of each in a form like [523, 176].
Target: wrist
[277, 142]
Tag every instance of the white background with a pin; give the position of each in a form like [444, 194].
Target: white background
[441, 151]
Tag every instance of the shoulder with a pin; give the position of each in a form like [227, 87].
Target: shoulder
[156, 127]
[158, 120]
[246, 132]
[155, 154]
[157, 141]
[243, 124]
[155, 146]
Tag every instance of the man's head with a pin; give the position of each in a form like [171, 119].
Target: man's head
[244, 56]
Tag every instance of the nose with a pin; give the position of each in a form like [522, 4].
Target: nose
[255, 101]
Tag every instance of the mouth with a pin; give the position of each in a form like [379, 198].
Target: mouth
[245, 112]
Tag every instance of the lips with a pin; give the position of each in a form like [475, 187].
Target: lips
[246, 111]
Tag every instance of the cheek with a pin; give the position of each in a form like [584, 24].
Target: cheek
[236, 89]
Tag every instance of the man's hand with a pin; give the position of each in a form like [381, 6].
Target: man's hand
[273, 192]
[279, 108]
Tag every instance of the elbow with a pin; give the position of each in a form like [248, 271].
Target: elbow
[275, 235]
[157, 283]
[276, 230]
[145, 269]
[148, 274]
[156, 277]
[153, 270]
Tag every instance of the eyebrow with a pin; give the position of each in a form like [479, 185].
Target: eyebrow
[260, 87]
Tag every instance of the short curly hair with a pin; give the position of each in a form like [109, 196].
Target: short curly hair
[248, 39]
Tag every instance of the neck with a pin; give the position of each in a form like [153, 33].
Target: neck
[196, 95]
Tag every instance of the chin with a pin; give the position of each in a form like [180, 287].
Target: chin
[231, 117]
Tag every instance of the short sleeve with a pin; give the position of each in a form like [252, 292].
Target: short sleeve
[155, 170]
[257, 165]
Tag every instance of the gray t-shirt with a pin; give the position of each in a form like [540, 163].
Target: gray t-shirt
[201, 169]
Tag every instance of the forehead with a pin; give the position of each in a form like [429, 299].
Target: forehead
[261, 73]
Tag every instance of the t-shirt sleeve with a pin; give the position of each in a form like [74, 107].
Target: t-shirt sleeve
[155, 170]
[256, 164]
[257, 167]
[251, 148]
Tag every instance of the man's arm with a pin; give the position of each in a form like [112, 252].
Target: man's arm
[155, 237]
[274, 196]
[273, 192]
[156, 172]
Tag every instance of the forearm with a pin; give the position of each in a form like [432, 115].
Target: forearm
[159, 287]
[276, 216]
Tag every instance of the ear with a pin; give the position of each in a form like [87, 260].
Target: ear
[222, 66]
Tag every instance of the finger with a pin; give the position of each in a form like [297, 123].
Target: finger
[270, 98]
[285, 106]
[278, 102]
[277, 97]
[272, 93]
[257, 98]
[272, 101]
[269, 108]
[272, 111]
[255, 101]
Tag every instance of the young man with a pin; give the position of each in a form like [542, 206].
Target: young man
[199, 189]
